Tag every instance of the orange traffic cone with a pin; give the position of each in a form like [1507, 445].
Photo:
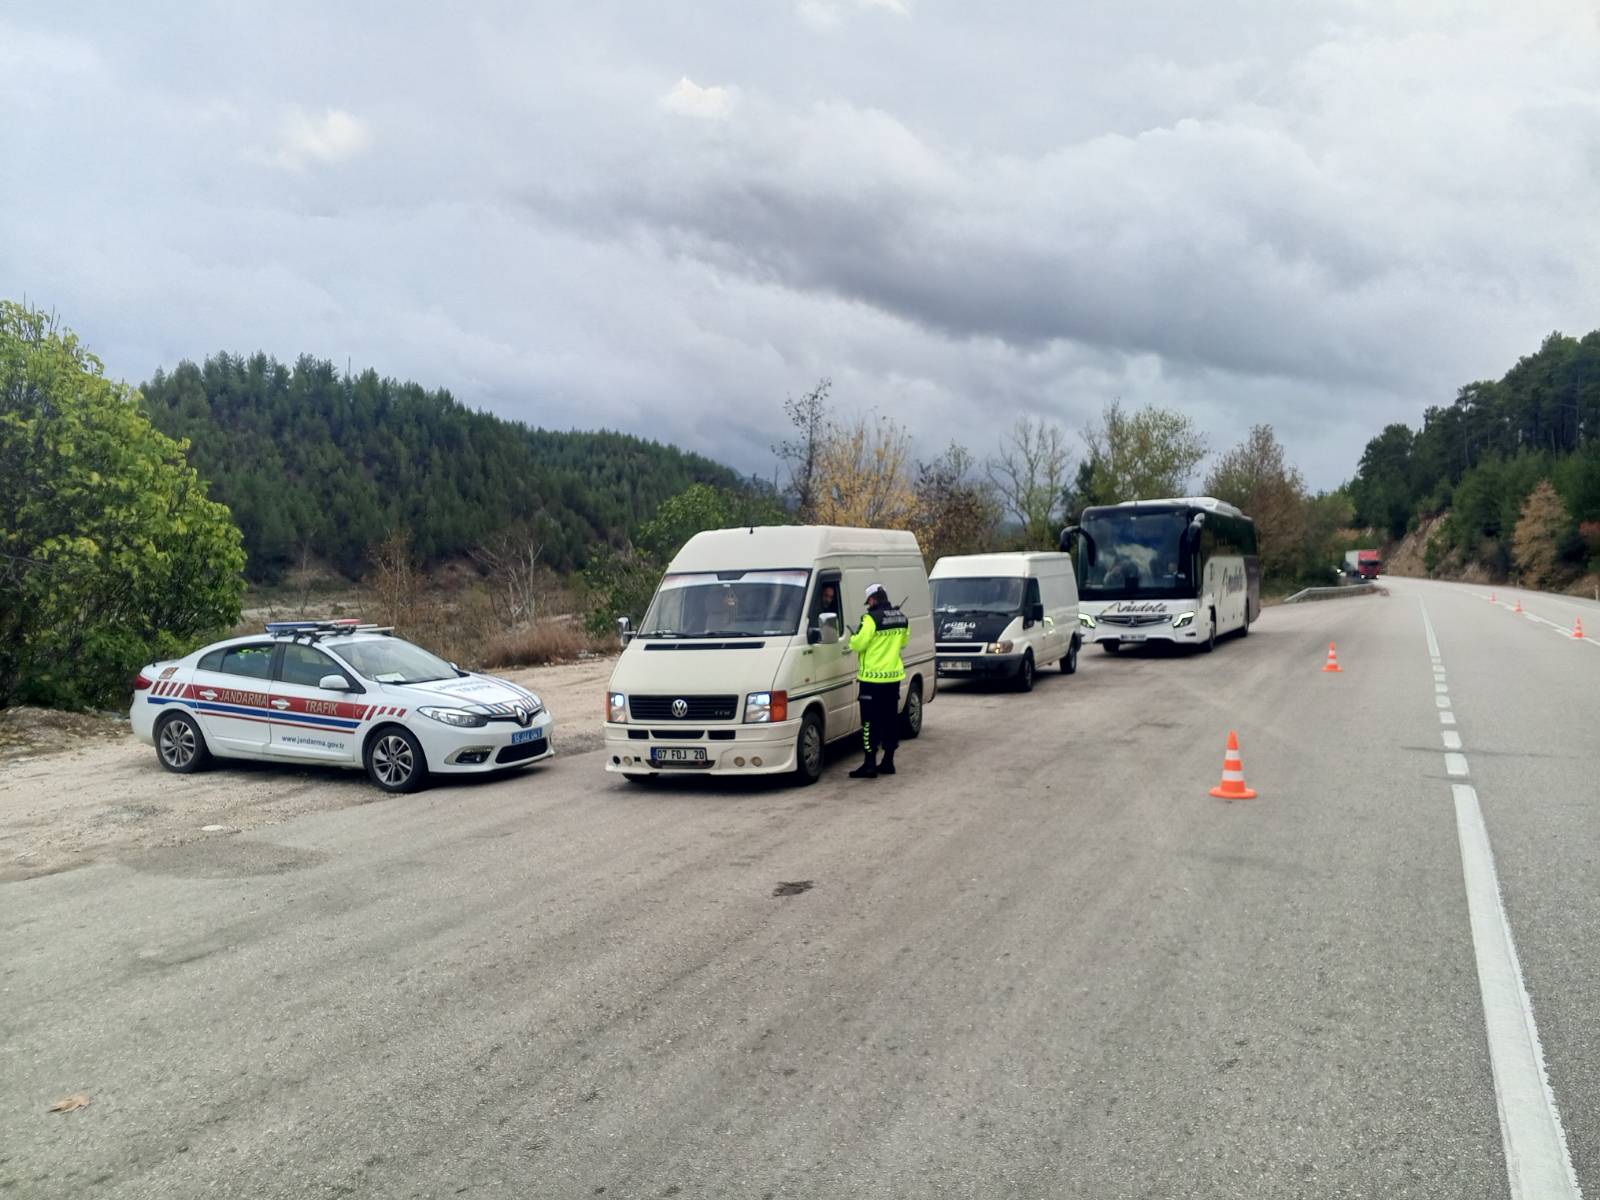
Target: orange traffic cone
[1492, 600]
[1232, 786]
[1577, 628]
[1333, 661]
[1518, 608]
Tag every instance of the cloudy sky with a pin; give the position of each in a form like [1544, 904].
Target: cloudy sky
[666, 217]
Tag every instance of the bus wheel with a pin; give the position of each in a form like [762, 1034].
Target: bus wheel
[1244, 630]
[1210, 643]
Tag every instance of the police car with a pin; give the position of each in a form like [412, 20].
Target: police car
[336, 692]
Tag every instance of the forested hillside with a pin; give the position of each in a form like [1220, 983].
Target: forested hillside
[314, 462]
[1483, 460]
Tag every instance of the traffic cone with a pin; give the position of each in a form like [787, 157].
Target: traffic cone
[1232, 786]
[1333, 661]
[1518, 608]
[1577, 628]
[1492, 600]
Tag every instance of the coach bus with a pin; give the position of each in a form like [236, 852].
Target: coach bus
[1182, 571]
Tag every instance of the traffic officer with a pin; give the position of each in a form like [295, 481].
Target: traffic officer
[883, 634]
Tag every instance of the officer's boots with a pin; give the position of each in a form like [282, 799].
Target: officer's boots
[886, 767]
[868, 768]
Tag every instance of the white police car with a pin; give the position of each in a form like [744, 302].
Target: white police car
[336, 692]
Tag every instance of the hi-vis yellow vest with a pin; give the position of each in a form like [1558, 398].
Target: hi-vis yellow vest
[878, 643]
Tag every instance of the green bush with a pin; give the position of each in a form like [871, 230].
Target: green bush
[110, 553]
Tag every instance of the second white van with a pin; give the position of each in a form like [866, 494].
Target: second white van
[742, 664]
[1005, 616]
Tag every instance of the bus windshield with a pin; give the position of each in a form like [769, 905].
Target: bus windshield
[987, 594]
[1138, 555]
[727, 604]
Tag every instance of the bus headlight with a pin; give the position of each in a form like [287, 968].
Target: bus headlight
[1086, 620]
[617, 708]
[1182, 619]
[999, 647]
[764, 707]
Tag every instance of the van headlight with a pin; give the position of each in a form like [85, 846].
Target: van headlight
[766, 707]
[1182, 619]
[999, 647]
[1086, 620]
[617, 708]
[458, 717]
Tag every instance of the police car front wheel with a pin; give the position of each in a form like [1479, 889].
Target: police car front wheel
[395, 761]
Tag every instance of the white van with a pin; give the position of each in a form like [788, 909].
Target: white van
[1005, 615]
[742, 666]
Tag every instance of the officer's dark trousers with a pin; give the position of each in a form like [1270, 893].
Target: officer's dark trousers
[880, 717]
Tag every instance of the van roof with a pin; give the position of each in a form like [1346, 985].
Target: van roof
[786, 546]
[955, 566]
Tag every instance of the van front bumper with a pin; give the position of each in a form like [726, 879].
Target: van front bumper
[753, 749]
[979, 666]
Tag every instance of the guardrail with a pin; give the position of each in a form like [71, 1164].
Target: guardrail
[1332, 593]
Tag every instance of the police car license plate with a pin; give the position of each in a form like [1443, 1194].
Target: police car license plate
[678, 754]
[523, 735]
[955, 666]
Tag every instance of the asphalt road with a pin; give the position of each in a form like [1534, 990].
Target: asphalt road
[1039, 962]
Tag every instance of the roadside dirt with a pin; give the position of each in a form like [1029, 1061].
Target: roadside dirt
[79, 789]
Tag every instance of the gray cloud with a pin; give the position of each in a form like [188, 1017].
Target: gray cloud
[665, 220]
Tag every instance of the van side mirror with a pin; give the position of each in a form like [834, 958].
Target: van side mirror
[827, 630]
[1036, 612]
[624, 630]
[334, 683]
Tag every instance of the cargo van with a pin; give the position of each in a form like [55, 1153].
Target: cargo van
[742, 663]
[1005, 616]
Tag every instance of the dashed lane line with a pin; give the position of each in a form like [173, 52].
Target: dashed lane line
[1538, 1164]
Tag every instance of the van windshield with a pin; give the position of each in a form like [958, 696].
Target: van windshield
[727, 604]
[991, 594]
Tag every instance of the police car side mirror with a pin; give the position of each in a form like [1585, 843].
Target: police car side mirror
[334, 683]
[828, 629]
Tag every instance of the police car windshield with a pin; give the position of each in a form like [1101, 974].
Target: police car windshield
[988, 594]
[393, 660]
[727, 604]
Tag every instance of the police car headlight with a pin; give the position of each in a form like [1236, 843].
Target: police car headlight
[458, 717]
[763, 707]
[999, 647]
[1182, 619]
[1086, 620]
[617, 708]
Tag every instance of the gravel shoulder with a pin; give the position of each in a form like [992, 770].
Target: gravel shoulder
[75, 790]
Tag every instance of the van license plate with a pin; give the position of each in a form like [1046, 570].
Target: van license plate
[678, 754]
[955, 666]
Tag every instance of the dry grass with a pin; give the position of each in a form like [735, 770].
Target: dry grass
[455, 618]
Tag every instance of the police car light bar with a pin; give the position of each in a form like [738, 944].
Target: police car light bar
[323, 628]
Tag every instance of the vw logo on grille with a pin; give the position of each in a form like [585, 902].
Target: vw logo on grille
[680, 708]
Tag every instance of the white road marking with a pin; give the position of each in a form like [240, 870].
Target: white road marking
[1452, 739]
[1442, 701]
[1441, 688]
[1538, 1166]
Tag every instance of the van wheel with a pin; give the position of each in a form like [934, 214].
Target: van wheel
[1025, 673]
[1069, 661]
[808, 745]
[911, 719]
